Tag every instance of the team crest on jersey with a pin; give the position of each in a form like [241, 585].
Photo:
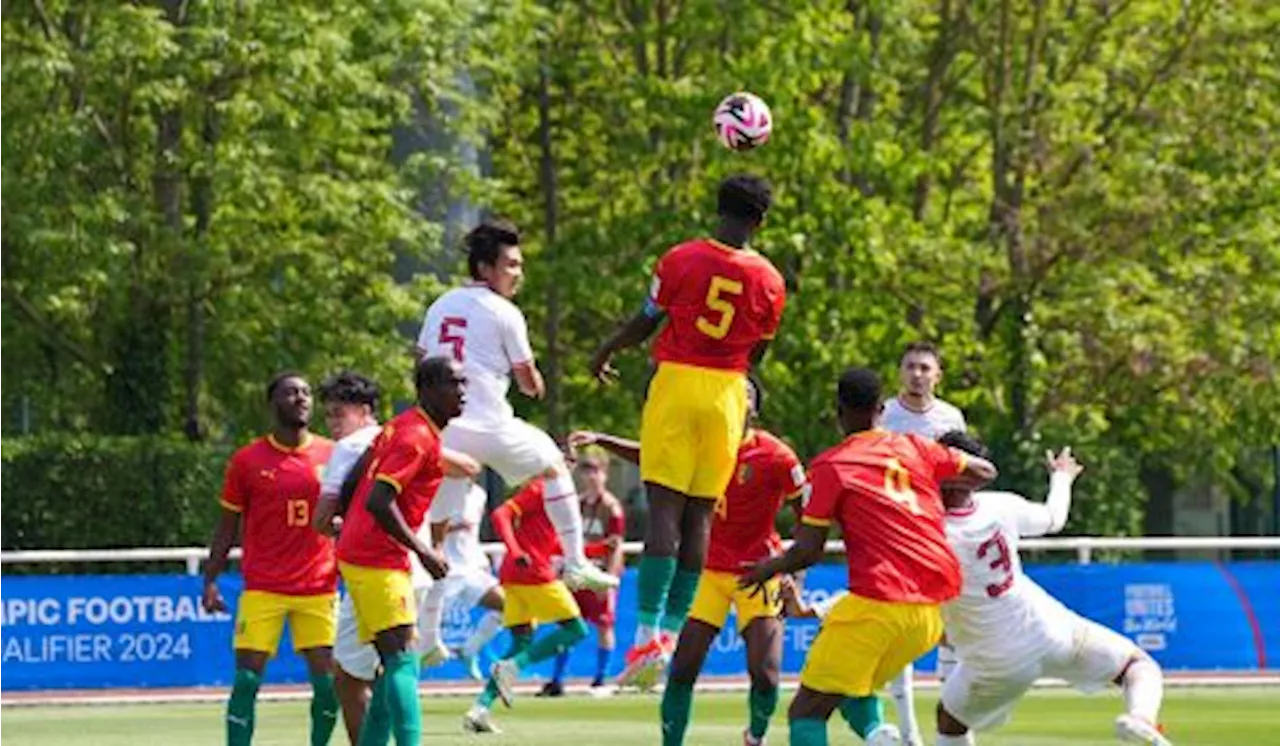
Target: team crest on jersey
[745, 473]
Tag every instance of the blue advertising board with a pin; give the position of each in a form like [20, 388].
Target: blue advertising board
[60, 632]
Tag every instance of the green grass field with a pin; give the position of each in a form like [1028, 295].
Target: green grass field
[1203, 717]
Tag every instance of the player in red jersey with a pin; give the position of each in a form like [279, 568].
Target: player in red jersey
[723, 303]
[767, 476]
[534, 595]
[883, 489]
[271, 488]
[401, 472]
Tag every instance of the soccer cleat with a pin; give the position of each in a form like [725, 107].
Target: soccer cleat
[437, 655]
[645, 663]
[1133, 729]
[479, 720]
[750, 740]
[588, 577]
[504, 675]
[551, 689]
[886, 735]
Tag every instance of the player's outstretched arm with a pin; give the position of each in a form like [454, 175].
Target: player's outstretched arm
[381, 504]
[627, 450]
[804, 552]
[637, 329]
[503, 521]
[1063, 470]
[224, 535]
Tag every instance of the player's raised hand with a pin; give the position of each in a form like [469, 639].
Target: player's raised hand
[754, 575]
[582, 439]
[458, 464]
[1063, 462]
[601, 369]
[434, 563]
[211, 600]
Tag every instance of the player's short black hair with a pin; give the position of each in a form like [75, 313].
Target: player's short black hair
[432, 371]
[859, 390]
[922, 346]
[349, 387]
[745, 196]
[486, 240]
[755, 393]
[280, 378]
[962, 440]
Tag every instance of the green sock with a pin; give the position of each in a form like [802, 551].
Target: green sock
[807, 732]
[568, 634]
[519, 643]
[683, 587]
[240, 707]
[375, 729]
[864, 714]
[761, 703]
[656, 574]
[324, 709]
[401, 671]
[677, 703]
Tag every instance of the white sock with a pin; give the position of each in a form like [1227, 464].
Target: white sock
[1144, 689]
[432, 613]
[965, 740]
[561, 503]
[489, 626]
[904, 698]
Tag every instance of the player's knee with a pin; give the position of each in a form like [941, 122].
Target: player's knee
[575, 630]
[254, 661]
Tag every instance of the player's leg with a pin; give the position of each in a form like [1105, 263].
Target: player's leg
[386, 612]
[313, 622]
[981, 694]
[355, 668]
[259, 621]
[550, 602]
[431, 607]
[902, 688]
[479, 718]
[1101, 656]
[695, 535]
[808, 714]
[657, 566]
[483, 591]
[677, 698]
[763, 637]
[606, 636]
[590, 604]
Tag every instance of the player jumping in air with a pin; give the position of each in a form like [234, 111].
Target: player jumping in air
[722, 303]
[883, 490]
[404, 470]
[478, 326]
[1008, 632]
[270, 491]
[767, 476]
[534, 596]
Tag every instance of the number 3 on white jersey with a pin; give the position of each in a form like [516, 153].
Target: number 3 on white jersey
[453, 335]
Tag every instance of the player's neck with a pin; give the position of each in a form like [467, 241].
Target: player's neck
[732, 236]
[918, 403]
[290, 437]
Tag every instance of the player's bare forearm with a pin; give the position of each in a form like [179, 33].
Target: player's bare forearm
[758, 352]
[529, 380]
[224, 536]
[458, 464]
[634, 332]
[326, 510]
[627, 450]
[382, 506]
[438, 531]
[504, 527]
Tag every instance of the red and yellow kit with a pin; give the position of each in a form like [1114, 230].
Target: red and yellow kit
[882, 488]
[289, 569]
[768, 474]
[534, 593]
[375, 567]
[720, 302]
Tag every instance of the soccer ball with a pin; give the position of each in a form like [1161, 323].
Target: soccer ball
[743, 121]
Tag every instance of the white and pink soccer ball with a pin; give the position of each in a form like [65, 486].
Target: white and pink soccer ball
[743, 121]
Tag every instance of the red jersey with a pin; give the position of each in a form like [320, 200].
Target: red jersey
[536, 535]
[883, 490]
[767, 475]
[406, 455]
[275, 488]
[720, 302]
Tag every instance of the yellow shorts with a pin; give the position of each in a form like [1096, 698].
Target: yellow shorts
[864, 643]
[383, 598]
[538, 604]
[718, 590]
[260, 617]
[691, 428]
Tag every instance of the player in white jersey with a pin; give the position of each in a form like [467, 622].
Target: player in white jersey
[916, 410]
[1008, 631]
[470, 582]
[479, 326]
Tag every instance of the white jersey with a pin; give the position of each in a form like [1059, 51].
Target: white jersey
[1000, 612]
[462, 542]
[940, 418]
[346, 453]
[489, 336]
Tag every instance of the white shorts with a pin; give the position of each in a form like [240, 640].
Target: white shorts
[515, 449]
[466, 588]
[982, 692]
[361, 659]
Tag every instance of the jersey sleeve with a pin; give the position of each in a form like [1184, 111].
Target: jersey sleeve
[344, 457]
[662, 288]
[515, 337]
[945, 462]
[795, 481]
[1018, 514]
[234, 495]
[775, 298]
[403, 458]
[824, 501]
[424, 334]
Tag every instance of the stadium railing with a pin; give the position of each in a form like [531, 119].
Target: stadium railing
[1082, 546]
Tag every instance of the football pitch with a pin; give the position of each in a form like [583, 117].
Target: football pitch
[1204, 717]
